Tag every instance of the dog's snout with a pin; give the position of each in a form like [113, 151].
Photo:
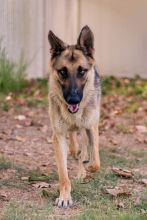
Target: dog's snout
[73, 99]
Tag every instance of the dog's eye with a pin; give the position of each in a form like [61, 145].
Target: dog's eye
[63, 73]
[81, 72]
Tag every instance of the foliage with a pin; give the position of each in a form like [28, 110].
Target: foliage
[12, 75]
[124, 86]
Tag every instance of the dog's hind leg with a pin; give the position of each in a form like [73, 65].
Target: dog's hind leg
[83, 156]
[60, 146]
[73, 144]
[93, 149]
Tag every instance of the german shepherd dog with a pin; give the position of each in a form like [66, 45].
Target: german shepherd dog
[74, 106]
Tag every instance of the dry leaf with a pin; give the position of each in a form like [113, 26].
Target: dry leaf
[49, 140]
[141, 128]
[41, 185]
[28, 123]
[3, 196]
[120, 205]
[20, 117]
[118, 191]
[113, 141]
[24, 178]
[137, 201]
[18, 126]
[29, 154]
[44, 129]
[112, 192]
[21, 139]
[8, 98]
[122, 172]
[141, 138]
[143, 181]
[143, 211]
[87, 179]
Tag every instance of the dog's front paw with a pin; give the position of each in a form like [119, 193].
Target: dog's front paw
[64, 202]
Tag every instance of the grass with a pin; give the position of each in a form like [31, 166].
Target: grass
[37, 175]
[94, 215]
[91, 198]
[122, 128]
[5, 163]
[21, 211]
[12, 75]
[124, 86]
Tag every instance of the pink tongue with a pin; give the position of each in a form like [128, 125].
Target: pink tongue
[73, 108]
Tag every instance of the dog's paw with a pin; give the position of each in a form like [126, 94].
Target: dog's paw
[64, 202]
[92, 168]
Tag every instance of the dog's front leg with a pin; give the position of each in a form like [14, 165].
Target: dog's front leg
[60, 146]
[73, 143]
[93, 149]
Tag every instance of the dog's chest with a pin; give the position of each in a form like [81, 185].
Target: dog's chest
[82, 119]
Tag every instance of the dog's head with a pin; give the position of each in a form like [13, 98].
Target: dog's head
[71, 65]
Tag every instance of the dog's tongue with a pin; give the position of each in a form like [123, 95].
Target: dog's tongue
[73, 108]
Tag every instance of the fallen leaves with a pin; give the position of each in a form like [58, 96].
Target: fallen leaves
[143, 181]
[20, 117]
[41, 185]
[20, 139]
[141, 128]
[24, 178]
[118, 191]
[38, 183]
[3, 196]
[87, 179]
[49, 140]
[114, 142]
[141, 132]
[44, 129]
[120, 205]
[122, 172]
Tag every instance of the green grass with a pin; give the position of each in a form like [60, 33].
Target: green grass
[13, 183]
[12, 75]
[124, 86]
[21, 211]
[91, 198]
[37, 175]
[99, 205]
[5, 163]
[132, 107]
[95, 215]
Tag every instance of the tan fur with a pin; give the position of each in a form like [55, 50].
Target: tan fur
[63, 122]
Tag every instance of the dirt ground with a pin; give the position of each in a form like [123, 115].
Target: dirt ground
[26, 152]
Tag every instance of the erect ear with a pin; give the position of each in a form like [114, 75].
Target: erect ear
[86, 40]
[57, 45]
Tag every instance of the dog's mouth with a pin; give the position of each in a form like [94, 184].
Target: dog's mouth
[73, 108]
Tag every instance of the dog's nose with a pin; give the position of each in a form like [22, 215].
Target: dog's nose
[73, 99]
